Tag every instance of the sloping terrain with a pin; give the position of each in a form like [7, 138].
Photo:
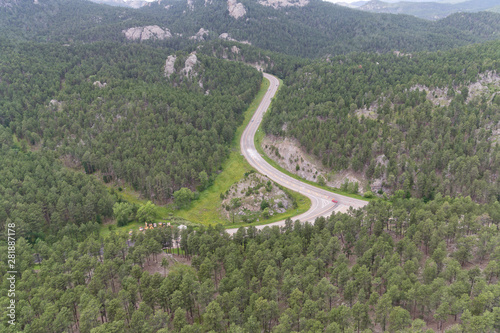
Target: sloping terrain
[309, 29]
[428, 10]
[414, 142]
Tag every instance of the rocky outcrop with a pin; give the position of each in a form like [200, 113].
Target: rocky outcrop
[236, 9]
[284, 3]
[191, 61]
[200, 35]
[147, 32]
[190, 4]
[55, 105]
[226, 36]
[189, 64]
[99, 84]
[169, 65]
[245, 199]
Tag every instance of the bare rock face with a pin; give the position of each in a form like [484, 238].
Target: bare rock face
[189, 64]
[283, 3]
[147, 32]
[235, 50]
[200, 35]
[191, 61]
[236, 9]
[99, 84]
[190, 4]
[169, 65]
[55, 105]
[226, 36]
[244, 199]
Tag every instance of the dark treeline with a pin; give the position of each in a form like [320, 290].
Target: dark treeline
[426, 148]
[393, 266]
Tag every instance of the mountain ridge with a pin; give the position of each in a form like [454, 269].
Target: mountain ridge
[427, 10]
[312, 29]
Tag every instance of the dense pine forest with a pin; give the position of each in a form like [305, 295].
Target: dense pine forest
[40, 196]
[98, 133]
[317, 29]
[70, 111]
[409, 140]
[394, 266]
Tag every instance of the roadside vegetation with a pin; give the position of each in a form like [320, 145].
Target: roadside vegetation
[206, 209]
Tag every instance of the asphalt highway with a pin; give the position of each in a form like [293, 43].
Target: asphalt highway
[321, 200]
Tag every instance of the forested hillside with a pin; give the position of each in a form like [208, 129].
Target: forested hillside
[110, 109]
[97, 122]
[381, 115]
[399, 267]
[317, 29]
[41, 197]
[430, 10]
[323, 28]
[51, 20]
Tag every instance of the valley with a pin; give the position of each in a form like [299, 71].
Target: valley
[249, 166]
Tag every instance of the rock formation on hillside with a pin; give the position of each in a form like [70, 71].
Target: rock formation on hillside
[226, 36]
[99, 84]
[236, 9]
[169, 65]
[200, 35]
[191, 61]
[147, 32]
[189, 64]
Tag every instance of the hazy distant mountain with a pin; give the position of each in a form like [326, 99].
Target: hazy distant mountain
[428, 10]
[354, 4]
[124, 3]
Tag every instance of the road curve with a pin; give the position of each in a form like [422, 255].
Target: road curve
[321, 200]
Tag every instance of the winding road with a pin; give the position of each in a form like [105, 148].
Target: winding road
[321, 200]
